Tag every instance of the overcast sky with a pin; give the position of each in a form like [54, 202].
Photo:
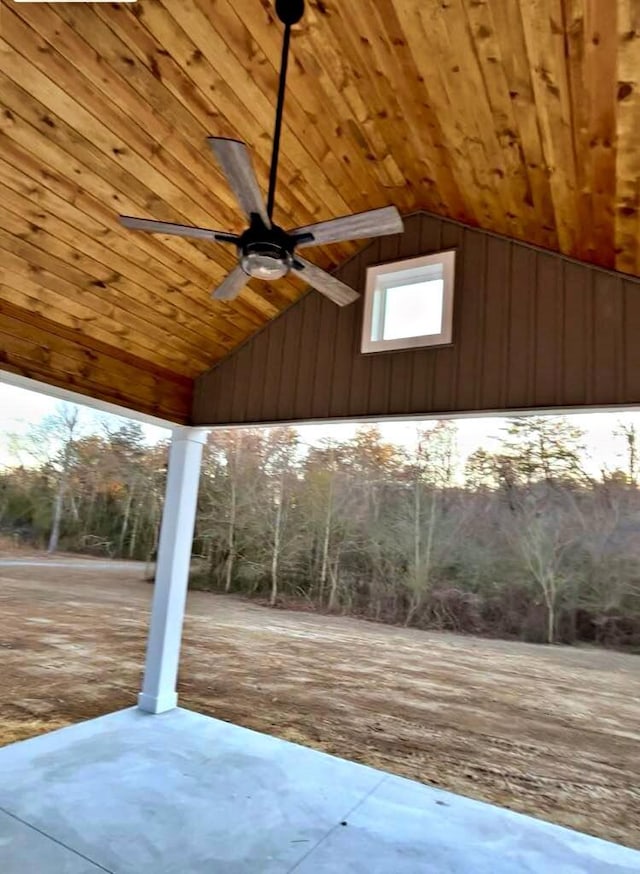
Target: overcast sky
[20, 408]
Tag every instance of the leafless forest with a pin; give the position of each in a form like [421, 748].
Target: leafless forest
[520, 542]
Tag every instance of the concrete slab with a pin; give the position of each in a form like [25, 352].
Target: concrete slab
[404, 828]
[22, 850]
[181, 792]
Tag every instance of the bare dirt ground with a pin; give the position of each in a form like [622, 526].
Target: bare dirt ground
[550, 731]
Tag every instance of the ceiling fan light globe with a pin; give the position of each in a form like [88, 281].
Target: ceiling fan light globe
[264, 266]
[265, 259]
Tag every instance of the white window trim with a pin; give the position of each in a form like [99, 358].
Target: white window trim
[444, 338]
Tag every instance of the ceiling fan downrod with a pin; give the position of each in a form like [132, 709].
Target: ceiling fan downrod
[264, 250]
[289, 12]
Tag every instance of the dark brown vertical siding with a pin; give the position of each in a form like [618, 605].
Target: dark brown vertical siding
[607, 305]
[399, 385]
[445, 362]
[619, 340]
[290, 362]
[468, 306]
[379, 372]
[522, 293]
[495, 336]
[305, 371]
[273, 372]
[323, 377]
[241, 382]
[476, 287]
[258, 370]
[429, 234]
[531, 330]
[548, 328]
[362, 371]
[224, 391]
[631, 327]
[345, 347]
[576, 333]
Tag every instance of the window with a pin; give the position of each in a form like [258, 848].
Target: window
[409, 304]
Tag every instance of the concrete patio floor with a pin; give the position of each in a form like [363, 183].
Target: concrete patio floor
[132, 793]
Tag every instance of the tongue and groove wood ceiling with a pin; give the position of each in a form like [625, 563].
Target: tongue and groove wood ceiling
[517, 116]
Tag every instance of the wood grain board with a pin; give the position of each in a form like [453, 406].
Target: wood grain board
[521, 117]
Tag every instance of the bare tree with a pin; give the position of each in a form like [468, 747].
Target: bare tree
[547, 448]
[280, 460]
[542, 532]
[432, 527]
[630, 434]
[51, 445]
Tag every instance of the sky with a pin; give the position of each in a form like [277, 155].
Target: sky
[602, 449]
[20, 408]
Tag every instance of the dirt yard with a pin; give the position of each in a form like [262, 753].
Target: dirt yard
[554, 732]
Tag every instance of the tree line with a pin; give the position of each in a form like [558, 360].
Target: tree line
[519, 542]
[99, 493]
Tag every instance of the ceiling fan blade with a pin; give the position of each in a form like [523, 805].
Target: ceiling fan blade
[373, 223]
[154, 227]
[231, 286]
[235, 160]
[324, 282]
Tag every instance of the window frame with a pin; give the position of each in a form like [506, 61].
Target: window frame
[416, 265]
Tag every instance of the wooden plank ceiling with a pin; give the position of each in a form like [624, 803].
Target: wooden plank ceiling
[517, 116]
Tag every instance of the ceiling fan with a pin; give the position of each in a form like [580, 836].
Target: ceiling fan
[266, 251]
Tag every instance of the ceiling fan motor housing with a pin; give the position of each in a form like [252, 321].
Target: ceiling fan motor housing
[265, 253]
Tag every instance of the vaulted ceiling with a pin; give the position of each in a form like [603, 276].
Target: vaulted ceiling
[518, 116]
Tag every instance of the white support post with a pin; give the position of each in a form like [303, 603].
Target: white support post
[172, 571]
